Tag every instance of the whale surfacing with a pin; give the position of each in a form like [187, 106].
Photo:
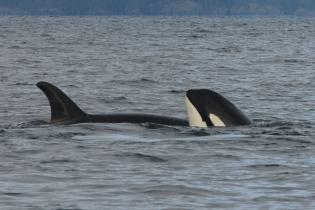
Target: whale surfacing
[205, 108]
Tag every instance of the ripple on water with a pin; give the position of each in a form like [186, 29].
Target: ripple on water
[169, 190]
[140, 156]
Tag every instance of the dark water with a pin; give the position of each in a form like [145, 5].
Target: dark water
[141, 64]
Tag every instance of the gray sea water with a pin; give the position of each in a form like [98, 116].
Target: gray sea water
[144, 65]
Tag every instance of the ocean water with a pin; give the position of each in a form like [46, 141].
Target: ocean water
[144, 65]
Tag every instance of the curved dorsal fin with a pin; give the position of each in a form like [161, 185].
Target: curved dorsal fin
[207, 108]
[63, 109]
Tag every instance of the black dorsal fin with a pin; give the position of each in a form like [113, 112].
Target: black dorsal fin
[63, 109]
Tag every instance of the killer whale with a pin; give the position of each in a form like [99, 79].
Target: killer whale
[205, 108]
[65, 111]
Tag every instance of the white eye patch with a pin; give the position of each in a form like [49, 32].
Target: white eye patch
[216, 121]
[194, 117]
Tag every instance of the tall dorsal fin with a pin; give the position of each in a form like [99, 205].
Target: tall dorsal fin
[207, 108]
[63, 109]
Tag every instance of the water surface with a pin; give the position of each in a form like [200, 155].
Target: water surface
[145, 64]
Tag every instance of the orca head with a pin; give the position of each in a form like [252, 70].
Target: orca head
[207, 108]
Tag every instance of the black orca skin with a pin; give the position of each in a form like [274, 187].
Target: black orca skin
[205, 108]
[209, 102]
[65, 111]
